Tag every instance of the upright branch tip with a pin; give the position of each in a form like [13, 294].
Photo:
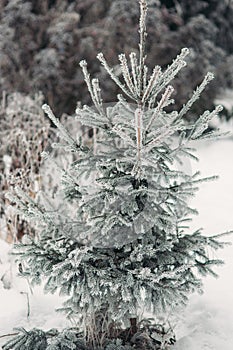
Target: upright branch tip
[83, 63]
[46, 108]
[209, 76]
[184, 52]
[143, 34]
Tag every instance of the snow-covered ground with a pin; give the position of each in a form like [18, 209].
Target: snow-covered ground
[207, 322]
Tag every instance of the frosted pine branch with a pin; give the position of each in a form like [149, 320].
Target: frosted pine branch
[109, 70]
[162, 103]
[196, 94]
[152, 82]
[126, 74]
[165, 132]
[145, 77]
[169, 74]
[93, 87]
[124, 136]
[134, 64]
[64, 133]
[138, 128]
[97, 93]
[83, 65]
[203, 122]
[143, 35]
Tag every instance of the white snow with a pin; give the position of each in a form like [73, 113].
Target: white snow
[207, 321]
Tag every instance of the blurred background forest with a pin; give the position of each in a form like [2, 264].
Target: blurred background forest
[42, 42]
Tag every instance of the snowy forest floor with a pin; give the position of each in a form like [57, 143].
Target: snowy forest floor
[207, 322]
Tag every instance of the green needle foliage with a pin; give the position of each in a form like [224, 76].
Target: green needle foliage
[121, 242]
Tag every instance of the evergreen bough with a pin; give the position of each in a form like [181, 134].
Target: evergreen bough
[122, 242]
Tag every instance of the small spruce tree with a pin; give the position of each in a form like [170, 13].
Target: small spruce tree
[122, 242]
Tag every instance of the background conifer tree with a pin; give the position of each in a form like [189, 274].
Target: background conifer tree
[120, 241]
